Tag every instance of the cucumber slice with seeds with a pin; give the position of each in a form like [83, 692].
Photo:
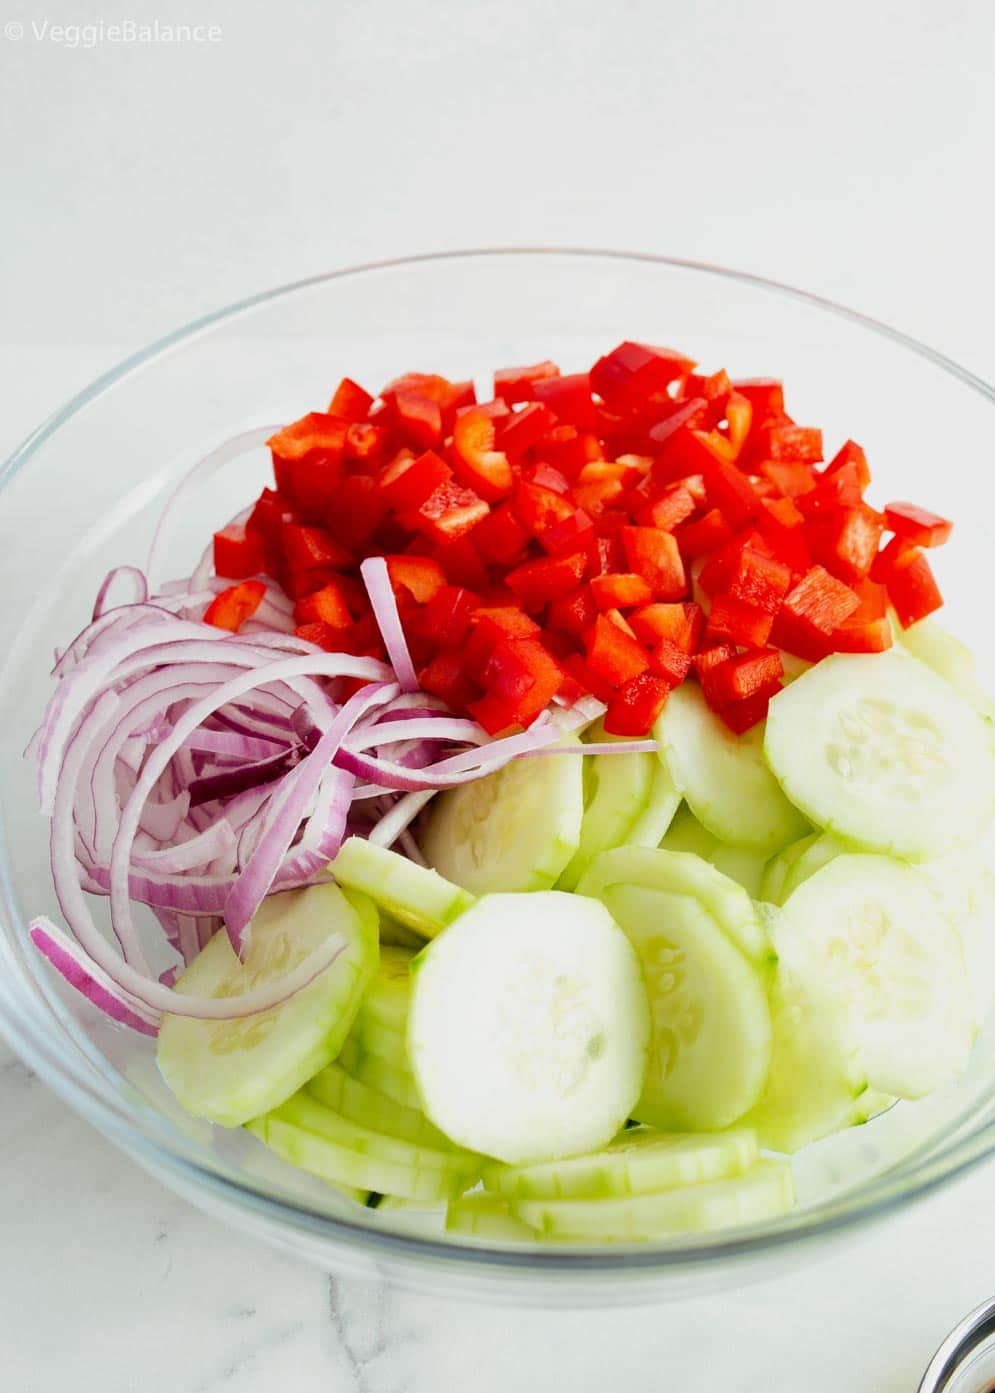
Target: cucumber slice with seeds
[515, 829]
[231, 1071]
[881, 751]
[422, 899]
[724, 777]
[707, 959]
[640, 1160]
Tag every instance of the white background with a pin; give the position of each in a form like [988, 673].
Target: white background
[844, 147]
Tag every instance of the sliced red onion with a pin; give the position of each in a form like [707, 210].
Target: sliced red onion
[137, 584]
[447, 773]
[606, 747]
[400, 817]
[449, 729]
[229, 742]
[376, 578]
[227, 782]
[69, 960]
[213, 843]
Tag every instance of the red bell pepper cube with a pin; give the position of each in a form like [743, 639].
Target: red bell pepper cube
[361, 508]
[500, 538]
[417, 418]
[672, 507]
[846, 540]
[495, 717]
[636, 705]
[325, 606]
[681, 624]
[267, 515]
[524, 676]
[720, 568]
[700, 538]
[569, 398]
[574, 613]
[742, 623]
[612, 655]
[755, 673]
[350, 401]
[741, 716]
[312, 548]
[759, 580]
[514, 385]
[316, 482]
[234, 606]
[478, 465]
[715, 387]
[238, 552]
[619, 620]
[917, 525]
[790, 479]
[315, 431]
[798, 443]
[710, 658]
[569, 449]
[882, 564]
[781, 524]
[446, 678]
[670, 662]
[448, 396]
[450, 512]
[693, 414]
[868, 629]
[538, 508]
[525, 428]
[462, 563]
[631, 375]
[850, 453]
[489, 625]
[620, 591]
[535, 583]
[323, 635]
[821, 599]
[912, 587]
[765, 395]
[607, 551]
[448, 614]
[365, 444]
[656, 557]
[419, 577]
[739, 419]
[841, 489]
[407, 482]
[547, 477]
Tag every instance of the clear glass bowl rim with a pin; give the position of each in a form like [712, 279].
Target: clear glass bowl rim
[77, 1085]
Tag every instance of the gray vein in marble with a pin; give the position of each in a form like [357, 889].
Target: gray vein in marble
[365, 1321]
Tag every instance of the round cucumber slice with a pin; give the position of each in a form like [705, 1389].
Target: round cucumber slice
[379, 1074]
[529, 1027]
[617, 793]
[686, 833]
[764, 1192]
[777, 868]
[640, 1160]
[485, 1216]
[231, 1071]
[949, 658]
[724, 777]
[515, 829]
[336, 1089]
[420, 898]
[388, 994]
[658, 812]
[801, 860]
[708, 997]
[740, 863]
[866, 934]
[878, 749]
[965, 890]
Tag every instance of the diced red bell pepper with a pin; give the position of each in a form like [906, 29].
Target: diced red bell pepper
[798, 443]
[710, 658]
[420, 576]
[851, 453]
[631, 375]
[500, 538]
[759, 580]
[708, 533]
[574, 613]
[619, 620]
[656, 557]
[693, 414]
[489, 625]
[741, 716]
[267, 515]
[495, 717]
[462, 563]
[524, 676]
[917, 525]
[791, 479]
[816, 606]
[350, 401]
[846, 540]
[312, 548]
[569, 449]
[765, 395]
[446, 678]
[326, 606]
[315, 431]
[911, 586]
[868, 629]
[234, 606]
[514, 385]
[569, 398]
[360, 509]
[448, 396]
[547, 477]
[607, 551]
[408, 481]
[448, 614]
[841, 489]
[715, 387]
[754, 673]
[724, 563]
[366, 444]
[728, 488]
[612, 655]
[672, 507]
[620, 591]
[450, 512]
[739, 621]
[535, 583]
[670, 662]
[538, 508]
[323, 635]
[636, 705]
[781, 524]
[739, 419]
[238, 552]
[681, 624]
[417, 419]
[884, 561]
[525, 428]
[316, 481]
[478, 465]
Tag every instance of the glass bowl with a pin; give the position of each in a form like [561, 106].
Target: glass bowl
[82, 494]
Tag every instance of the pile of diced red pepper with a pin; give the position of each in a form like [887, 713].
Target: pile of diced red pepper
[608, 532]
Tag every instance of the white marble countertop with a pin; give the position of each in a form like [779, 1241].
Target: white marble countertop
[844, 148]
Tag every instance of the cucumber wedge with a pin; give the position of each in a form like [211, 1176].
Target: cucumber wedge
[640, 1160]
[707, 989]
[765, 1192]
[878, 749]
[515, 829]
[529, 1027]
[231, 1071]
[419, 898]
[724, 777]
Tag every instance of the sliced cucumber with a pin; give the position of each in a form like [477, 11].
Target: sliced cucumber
[485, 1216]
[513, 830]
[949, 658]
[776, 870]
[529, 1027]
[965, 891]
[389, 993]
[658, 812]
[870, 1105]
[724, 777]
[231, 1071]
[878, 749]
[708, 994]
[373, 1037]
[419, 898]
[764, 1192]
[638, 1161]
[686, 833]
[740, 863]
[617, 792]
[380, 1074]
[866, 934]
[794, 865]
[336, 1089]
[396, 935]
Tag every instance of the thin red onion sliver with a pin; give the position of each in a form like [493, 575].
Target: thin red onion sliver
[67, 958]
[376, 578]
[136, 579]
